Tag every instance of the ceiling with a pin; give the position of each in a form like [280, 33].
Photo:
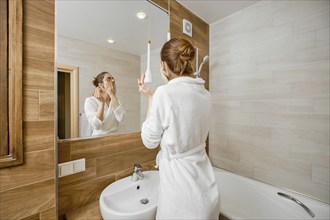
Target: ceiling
[96, 21]
[212, 11]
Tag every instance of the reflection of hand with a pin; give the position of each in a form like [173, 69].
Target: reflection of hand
[143, 89]
[100, 94]
[112, 89]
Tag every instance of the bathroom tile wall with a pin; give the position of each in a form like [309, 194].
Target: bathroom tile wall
[28, 190]
[270, 84]
[91, 60]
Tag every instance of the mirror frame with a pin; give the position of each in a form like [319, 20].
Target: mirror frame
[13, 46]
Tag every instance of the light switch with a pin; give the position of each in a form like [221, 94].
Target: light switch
[71, 167]
[66, 169]
[79, 165]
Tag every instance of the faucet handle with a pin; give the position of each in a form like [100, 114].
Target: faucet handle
[137, 167]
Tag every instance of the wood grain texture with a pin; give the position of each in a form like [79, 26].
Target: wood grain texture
[78, 195]
[46, 105]
[49, 214]
[28, 191]
[27, 200]
[92, 148]
[12, 122]
[90, 212]
[38, 166]
[31, 107]
[107, 159]
[38, 135]
[120, 161]
[270, 85]
[4, 148]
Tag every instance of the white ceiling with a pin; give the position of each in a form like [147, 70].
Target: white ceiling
[212, 11]
[98, 20]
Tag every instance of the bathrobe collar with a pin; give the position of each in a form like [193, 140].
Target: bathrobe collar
[187, 79]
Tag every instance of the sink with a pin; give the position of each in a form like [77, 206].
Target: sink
[125, 199]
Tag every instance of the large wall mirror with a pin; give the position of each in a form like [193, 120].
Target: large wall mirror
[96, 36]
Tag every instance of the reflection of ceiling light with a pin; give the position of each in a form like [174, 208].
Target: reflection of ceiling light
[141, 15]
[111, 41]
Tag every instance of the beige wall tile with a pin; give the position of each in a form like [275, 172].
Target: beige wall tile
[321, 106]
[320, 175]
[269, 82]
[313, 22]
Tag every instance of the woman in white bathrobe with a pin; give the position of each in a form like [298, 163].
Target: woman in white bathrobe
[103, 110]
[178, 119]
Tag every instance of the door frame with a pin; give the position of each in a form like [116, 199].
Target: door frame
[74, 95]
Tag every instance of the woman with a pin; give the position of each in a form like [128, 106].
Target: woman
[178, 119]
[103, 110]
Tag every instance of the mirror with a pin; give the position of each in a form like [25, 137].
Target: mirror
[84, 29]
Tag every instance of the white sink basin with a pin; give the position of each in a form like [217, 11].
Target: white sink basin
[122, 199]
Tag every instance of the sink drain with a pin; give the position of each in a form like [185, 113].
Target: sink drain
[144, 201]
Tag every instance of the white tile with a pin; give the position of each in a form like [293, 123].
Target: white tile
[321, 106]
[299, 10]
[322, 36]
[321, 175]
[310, 23]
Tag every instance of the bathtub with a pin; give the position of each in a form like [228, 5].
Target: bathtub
[244, 198]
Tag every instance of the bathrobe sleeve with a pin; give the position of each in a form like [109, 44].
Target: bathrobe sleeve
[158, 121]
[91, 107]
[120, 112]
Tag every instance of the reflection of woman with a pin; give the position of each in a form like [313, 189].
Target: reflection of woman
[178, 119]
[103, 110]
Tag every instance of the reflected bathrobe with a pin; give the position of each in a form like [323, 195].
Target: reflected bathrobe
[111, 116]
[179, 120]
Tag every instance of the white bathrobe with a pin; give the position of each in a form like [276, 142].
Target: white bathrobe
[179, 120]
[111, 116]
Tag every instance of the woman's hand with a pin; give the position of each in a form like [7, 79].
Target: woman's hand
[143, 89]
[100, 94]
[111, 90]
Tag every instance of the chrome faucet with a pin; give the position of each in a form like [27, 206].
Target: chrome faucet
[137, 173]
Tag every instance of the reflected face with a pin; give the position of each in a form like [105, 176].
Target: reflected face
[107, 80]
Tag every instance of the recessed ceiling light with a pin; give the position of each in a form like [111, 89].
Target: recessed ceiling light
[111, 41]
[141, 15]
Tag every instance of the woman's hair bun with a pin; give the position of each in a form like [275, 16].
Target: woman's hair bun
[177, 53]
[95, 82]
[187, 51]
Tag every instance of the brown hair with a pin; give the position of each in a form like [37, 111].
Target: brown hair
[177, 53]
[99, 79]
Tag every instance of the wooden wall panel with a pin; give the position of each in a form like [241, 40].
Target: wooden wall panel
[27, 200]
[28, 191]
[107, 159]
